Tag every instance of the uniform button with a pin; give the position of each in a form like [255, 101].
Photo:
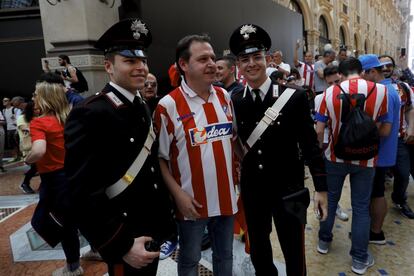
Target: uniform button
[155, 186]
[131, 140]
[280, 114]
[152, 169]
[124, 214]
[259, 152]
[97, 93]
[257, 123]
[278, 123]
[260, 167]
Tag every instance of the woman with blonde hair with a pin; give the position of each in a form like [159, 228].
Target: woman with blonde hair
[48, 153]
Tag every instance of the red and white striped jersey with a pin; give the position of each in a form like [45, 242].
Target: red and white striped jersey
[404, 107]
[330, 111]
[306, 72]
[197, 138]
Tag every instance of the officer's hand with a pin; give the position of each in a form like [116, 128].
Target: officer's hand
[137, 256]
[187, 205]
[320, 204]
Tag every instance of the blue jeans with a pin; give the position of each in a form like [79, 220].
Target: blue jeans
[220, 230]
[401, 173]
[361, 179]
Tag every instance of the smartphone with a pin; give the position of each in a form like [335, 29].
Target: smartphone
[403, 52]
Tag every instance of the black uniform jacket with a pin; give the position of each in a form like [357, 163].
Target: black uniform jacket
[102, 139]
[276, 161]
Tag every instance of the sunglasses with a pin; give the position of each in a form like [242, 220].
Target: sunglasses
[150, 83]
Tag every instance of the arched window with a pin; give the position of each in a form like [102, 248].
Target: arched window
[342, 40]
[356, 42]
[324, 34]
[294, 6]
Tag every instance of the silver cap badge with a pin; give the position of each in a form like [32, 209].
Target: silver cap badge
[246, 30]
[138, 28]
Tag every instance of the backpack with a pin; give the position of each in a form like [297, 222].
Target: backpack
[82, 84]
[358, 137]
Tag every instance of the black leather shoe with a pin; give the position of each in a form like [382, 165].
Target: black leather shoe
[26, 189]
[406, 211]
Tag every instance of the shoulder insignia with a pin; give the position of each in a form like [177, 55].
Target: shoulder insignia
[275, 91]
[114, 99]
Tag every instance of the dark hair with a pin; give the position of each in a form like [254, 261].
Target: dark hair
[349, 66]
[342, 50]
[65, 58]
[294, 72]
[330, 70]
[328, 53]
[229, 59]
[317, 57]
[51, 78]
[28, 112]
[183, 48]
[277, 75]
[387, 56]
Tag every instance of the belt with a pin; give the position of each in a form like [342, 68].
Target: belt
[123, 183]
[270, 116]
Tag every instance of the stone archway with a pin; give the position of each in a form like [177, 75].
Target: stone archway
[345, 30]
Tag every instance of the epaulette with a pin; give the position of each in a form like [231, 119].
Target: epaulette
[114, 100]
[92, 98]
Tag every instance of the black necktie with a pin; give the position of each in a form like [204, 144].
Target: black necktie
[137, 101]
[258, 99]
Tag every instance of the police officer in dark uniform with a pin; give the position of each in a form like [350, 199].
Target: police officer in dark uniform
[272, 174]
[118, 195]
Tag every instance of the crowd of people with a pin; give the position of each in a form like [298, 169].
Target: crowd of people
[137, 173]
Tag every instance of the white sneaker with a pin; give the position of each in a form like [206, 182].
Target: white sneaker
[341, 214]
[64, 271]
[91, 256]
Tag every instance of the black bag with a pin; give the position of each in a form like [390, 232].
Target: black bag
[358, 138]
[82, 84]
[297, 204]
[47, 225]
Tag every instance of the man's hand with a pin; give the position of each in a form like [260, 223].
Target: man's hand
[187, 205]
[137, 256]
[320, 204]
[403, 62]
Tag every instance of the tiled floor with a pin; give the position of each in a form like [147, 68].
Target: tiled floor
[394, 258]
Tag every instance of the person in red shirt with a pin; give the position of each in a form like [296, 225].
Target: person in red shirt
[48, 153]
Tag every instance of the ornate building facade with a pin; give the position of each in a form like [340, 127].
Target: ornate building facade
[362, 26]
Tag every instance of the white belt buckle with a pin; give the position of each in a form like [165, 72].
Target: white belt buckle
[271, 114]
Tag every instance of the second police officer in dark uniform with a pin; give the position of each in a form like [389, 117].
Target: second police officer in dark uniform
[272, 174]
[112, 166]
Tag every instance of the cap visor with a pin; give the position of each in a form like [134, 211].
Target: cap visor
[132, 53]
[386, 63]
[250, 50]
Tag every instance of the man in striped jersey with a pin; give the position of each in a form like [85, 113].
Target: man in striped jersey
[194, 123]
[405, 139]
[305, 68]
[333, 109]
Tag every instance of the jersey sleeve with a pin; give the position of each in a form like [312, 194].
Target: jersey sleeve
[37, 130]
[164, 129]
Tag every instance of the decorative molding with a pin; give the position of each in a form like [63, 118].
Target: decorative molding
[85, 62]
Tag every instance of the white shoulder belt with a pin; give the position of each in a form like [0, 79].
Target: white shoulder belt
[269, 117]
[119, 186]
